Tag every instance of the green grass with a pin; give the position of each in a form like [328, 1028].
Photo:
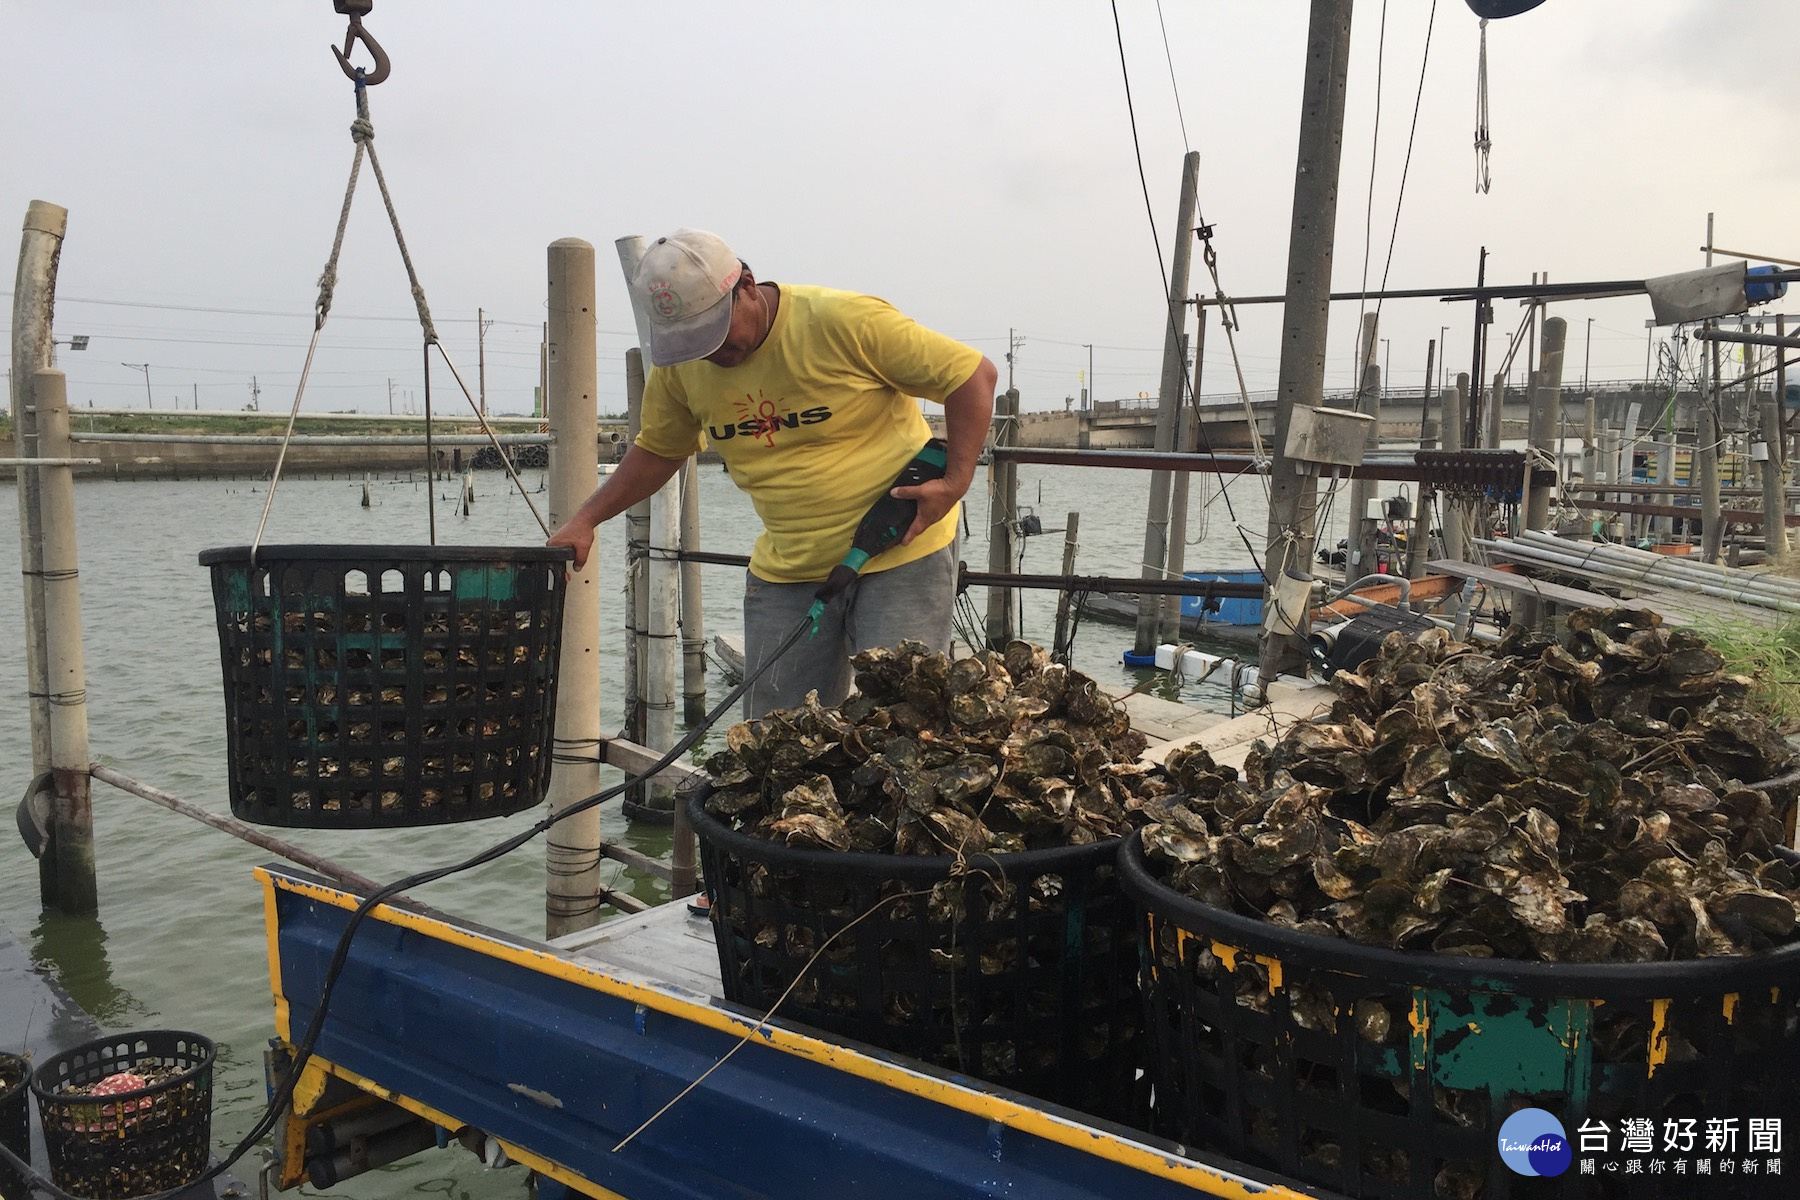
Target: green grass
[1769, 655]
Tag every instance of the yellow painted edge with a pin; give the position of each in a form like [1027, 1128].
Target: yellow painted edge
[536, 1162]
[1227, 955]
[282, 1019]
[1730, 1008]
[1273, 966]
[1011, 1114]
[1659, 1035]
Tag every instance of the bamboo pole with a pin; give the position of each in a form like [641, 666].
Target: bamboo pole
[693, 619]
[34, 297]
[72, 841]
[572, 850]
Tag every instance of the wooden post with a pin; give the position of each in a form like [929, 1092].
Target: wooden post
[1546, 411]
[1003, 516]
[1187, 440]
[1360, 556]
[572, 851]
[693, 620]
[1774, 487]
[1059, 649]
[1706, 446]
[1156, 522]
[1293, 495]
[34, 296]
[1427, 436]
[73, 839]
[1455, 425]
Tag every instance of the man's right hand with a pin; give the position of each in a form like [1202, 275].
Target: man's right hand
[579, 537]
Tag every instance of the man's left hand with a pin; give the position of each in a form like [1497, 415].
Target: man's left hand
[936, 497]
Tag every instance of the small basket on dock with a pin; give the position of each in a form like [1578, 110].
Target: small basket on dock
[15, 1116]
[127, 1115]
[371, 687]
[1018, 969]
[1376, 1072]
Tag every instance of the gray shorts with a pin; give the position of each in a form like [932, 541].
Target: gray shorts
[913, 601]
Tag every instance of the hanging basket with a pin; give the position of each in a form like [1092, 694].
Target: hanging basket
[380, 687]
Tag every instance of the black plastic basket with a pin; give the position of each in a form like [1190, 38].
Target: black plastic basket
[387, 686]
[1382, 1073]
[131, 1142]
[1029, 982]
[15, 1118]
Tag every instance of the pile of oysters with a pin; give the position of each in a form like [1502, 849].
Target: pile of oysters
[993, 753]
[1609, 797]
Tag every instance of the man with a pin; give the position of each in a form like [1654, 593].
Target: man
[806, 393]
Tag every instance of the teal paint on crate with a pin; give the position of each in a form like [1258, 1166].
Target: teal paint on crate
[1507, 1044]
[485, 581]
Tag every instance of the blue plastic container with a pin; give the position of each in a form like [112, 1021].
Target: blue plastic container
[1763, 291]
[1231, 611]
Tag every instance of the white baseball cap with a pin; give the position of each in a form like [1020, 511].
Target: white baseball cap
[684, 284]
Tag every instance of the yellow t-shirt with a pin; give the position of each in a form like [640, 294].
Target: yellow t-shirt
[815, 424]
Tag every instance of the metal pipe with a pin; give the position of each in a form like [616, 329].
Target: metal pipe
[1570, 560]
[1402, 581]
[320, 439]
[365, 1154]
[49, 462]
[1645, 564]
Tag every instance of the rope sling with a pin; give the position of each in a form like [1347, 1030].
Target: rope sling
[362, 132]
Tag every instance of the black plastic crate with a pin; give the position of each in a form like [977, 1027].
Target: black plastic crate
[131, 1142]
[1017, 969]
[388, 686]
[1383, 1073]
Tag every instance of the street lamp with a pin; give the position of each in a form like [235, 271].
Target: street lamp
[145, 368]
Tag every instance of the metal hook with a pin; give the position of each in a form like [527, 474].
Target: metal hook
[356, 33]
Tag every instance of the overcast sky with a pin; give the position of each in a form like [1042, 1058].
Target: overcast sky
[972, 162]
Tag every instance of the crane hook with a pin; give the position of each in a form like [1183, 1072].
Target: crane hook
[356, 33]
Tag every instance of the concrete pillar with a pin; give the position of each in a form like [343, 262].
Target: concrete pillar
[572, 852]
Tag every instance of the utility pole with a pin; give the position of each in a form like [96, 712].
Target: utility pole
[1587, 354]
[1087, 398]
[1013, 341]
[145, 368]
[390, 397]
[255, 396]
[481, 328]
[1293, 496]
